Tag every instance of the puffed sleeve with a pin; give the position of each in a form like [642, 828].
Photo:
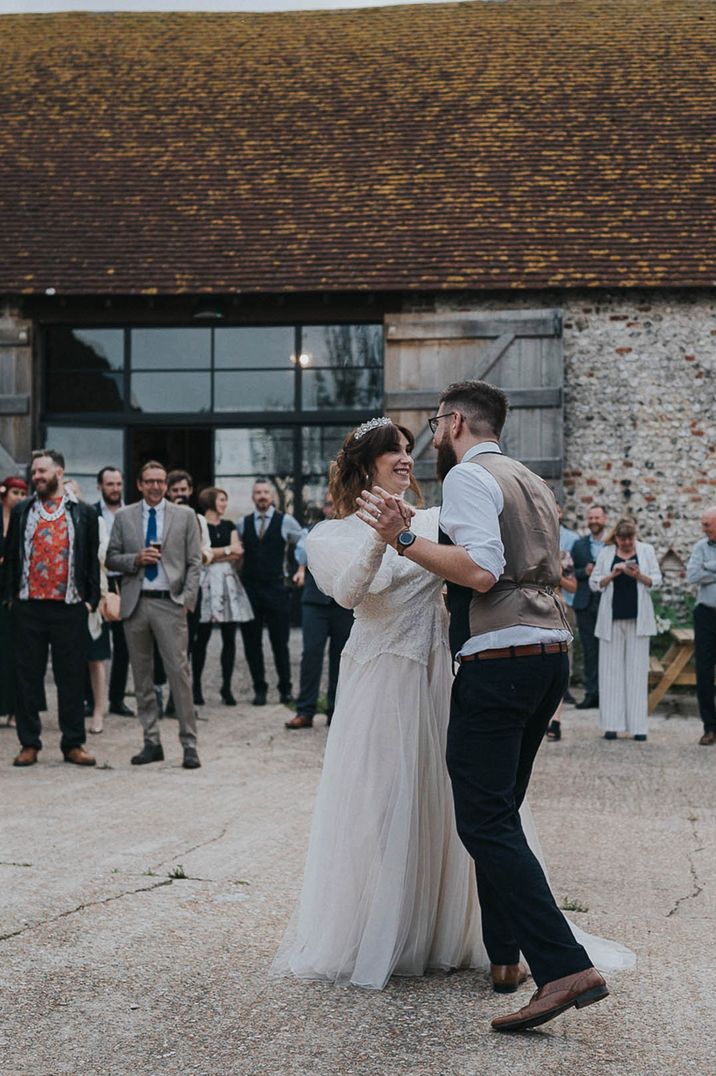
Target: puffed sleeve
[348, 560]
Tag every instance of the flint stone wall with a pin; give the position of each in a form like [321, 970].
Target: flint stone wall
[639, 410]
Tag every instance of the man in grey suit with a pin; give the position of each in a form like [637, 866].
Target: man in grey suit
[155, 545]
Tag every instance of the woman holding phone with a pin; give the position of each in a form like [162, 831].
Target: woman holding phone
[625, 572]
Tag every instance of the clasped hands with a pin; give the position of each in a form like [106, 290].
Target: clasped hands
[389, 516]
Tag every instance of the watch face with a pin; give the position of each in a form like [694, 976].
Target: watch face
[406, 538]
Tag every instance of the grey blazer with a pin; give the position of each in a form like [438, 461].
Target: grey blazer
[181, 554]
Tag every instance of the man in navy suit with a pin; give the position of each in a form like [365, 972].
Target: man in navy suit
[586, 603]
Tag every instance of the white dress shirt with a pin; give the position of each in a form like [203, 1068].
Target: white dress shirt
[470, 516]
[161, 582]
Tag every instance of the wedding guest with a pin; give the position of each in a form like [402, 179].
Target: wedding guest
[99, 649]
[701, 571]
[12, 491]
[322, 619]
[266, 535]
[110, 483]
[180, 490]
[586, 601]
[567, 540]
[568, 585]
[223, 598]
[155, 544]
[52, 580]
[625, 572]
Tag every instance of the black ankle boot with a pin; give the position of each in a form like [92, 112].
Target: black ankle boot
[226, 697]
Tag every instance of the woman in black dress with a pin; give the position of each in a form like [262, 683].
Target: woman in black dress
[223, 598]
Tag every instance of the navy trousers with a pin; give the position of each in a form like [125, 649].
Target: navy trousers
[321, 623]
[499, 713]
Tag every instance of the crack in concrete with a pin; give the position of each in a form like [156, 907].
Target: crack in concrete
[188, 851]
[10, 863]
[83, 907]
[697, 884]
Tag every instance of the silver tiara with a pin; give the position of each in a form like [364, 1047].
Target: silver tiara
[372, 424]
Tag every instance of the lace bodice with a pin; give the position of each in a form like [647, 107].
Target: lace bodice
[398, 605]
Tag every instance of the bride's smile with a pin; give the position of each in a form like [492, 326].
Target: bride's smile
[393, 470]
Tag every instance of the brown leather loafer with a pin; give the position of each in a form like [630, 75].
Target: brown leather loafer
[79, 757]
[582, 988]
[300, 721]
[708, 738]
[27, 757]
[507, 977]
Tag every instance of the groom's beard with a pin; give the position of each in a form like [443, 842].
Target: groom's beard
[447, 459]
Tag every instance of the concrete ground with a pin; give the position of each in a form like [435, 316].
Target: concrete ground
[142, 907]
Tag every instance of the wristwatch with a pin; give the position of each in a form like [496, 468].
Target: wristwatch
[404, 541]
[227, 550]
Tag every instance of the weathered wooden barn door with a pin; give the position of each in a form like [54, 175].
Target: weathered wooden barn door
[521, 351]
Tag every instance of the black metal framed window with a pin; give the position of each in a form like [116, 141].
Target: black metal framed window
[277, 398]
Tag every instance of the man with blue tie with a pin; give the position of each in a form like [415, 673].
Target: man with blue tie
[155, 544]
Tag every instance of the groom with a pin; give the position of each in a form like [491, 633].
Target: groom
[502, 522]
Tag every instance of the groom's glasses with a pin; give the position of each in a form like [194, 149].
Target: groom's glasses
[433, 422]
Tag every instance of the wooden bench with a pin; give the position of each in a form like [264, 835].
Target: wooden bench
[676, 666]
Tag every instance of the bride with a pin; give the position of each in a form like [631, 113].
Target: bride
[388, 887]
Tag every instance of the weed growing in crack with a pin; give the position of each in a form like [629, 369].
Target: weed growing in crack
[149, 873]
[571, 905]
[177, 873]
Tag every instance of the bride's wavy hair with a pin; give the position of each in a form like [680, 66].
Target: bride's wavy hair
[352, 470]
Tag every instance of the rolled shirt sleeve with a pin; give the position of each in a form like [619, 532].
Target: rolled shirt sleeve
[470, 515]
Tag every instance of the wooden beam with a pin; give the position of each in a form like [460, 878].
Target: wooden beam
[468, 328]
[424, 469]
[428, 401]
[14, 405]
[14, 338]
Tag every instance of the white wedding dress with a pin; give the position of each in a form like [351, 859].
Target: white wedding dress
[389, 888]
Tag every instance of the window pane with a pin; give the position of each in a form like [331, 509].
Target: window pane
[190, 393]
[254, 347]
[243, 455]
[254, 391]
[320, 446]
[162, 349]
[343, 345]
[254, 452]
[83, 392]
[348, 387]
[84, 349]
[86, 450]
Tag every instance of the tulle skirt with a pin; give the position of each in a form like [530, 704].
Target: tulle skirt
[388, 887]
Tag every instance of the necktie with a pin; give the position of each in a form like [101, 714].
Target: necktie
[262, 528]
[151, 571]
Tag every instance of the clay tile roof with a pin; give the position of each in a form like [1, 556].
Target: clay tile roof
[475, 145]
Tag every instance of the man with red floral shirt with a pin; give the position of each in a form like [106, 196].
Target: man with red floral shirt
[52, 579]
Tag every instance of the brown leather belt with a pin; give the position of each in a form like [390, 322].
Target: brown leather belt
[518, 652]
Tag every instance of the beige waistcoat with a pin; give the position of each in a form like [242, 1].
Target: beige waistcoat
[527, 592]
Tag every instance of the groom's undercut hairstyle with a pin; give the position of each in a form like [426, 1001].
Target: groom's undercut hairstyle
[483, 406]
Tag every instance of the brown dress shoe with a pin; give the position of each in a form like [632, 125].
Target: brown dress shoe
[79, 757]
[582, 988]
[27, 757]
[300, 721]
[507, 977]
[708, 738]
